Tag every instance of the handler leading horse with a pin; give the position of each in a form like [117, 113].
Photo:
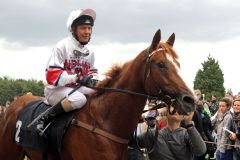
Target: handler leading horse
[154, 72]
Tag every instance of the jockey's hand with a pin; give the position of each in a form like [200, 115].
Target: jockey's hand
[85, 80]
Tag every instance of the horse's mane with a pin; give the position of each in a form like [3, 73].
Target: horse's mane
[111, 74]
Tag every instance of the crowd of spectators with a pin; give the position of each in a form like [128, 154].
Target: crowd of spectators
[217, 121]
[3, 108]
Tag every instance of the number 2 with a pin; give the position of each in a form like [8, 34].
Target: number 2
[18, 127]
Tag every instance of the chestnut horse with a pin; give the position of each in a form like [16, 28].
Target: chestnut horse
[153, 73]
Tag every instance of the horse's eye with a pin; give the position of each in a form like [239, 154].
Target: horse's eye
[161, 65]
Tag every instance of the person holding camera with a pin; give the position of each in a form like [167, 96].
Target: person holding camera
[174, 142]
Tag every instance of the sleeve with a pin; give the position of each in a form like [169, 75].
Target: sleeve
[196, 142]
[214, 120]
[225, 135]
[93, 70]
[55, 73]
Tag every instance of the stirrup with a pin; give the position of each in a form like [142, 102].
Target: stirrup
[41, 128]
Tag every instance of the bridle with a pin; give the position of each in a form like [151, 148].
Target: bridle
[168, 100]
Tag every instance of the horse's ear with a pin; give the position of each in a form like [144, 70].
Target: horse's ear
[171, 39]
[156, 40]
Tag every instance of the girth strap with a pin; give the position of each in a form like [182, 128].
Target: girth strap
[99, 131]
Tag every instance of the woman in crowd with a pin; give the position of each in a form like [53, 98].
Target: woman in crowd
[236, 126]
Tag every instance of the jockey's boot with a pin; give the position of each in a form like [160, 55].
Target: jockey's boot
[49, 115]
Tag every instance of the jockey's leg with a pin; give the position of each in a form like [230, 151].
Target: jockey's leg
[51, 113]
[75, 101]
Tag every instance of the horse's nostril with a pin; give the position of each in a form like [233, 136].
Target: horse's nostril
[187, 104]
[188, 99]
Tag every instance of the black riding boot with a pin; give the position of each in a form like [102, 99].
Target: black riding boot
[49, 115]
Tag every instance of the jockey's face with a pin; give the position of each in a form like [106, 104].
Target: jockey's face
[83, 32]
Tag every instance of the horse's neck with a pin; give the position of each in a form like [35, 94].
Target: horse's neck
[120, 112]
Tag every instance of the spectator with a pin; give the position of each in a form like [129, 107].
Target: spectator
[206, 107]
[213, 105]
[229, 94]
[15, 98]
[162, 122]
[174, 142]
[238, 95]
[223, 119]
[1, 110]
[152, 114]
[198, 94]
[200, 97]
[162, 119]
[7, 104]
[205, 129]
[236, 125]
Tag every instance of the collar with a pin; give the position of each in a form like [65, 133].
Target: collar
[76, 42]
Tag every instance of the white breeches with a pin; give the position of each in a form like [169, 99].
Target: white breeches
[77, 98]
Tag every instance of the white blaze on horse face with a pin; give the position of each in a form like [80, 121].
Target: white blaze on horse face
[170, 58]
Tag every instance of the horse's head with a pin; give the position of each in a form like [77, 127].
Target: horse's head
[162, 77]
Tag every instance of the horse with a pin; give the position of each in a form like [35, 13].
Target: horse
[115, 107]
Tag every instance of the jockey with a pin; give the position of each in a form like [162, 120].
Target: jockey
[71, 63]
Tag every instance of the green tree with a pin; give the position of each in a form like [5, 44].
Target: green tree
[11, 87]
[210, 79]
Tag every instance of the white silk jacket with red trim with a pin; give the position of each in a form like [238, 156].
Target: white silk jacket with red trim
[68, 59]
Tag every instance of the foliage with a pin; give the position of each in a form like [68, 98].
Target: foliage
[210, 79]
[10, 88]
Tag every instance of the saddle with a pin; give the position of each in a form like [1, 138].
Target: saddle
[29, 137]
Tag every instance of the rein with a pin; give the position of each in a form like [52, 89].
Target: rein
[108, 135]
[126, 92]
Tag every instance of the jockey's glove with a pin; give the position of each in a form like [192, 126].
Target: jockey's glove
[86, 80]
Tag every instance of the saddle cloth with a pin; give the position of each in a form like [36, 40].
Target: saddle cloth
[29, 137]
